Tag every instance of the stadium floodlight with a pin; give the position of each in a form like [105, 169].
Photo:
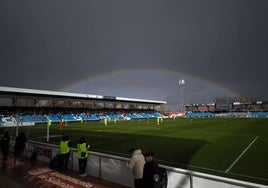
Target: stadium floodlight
[181, 84]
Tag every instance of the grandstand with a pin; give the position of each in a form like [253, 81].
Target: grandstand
[257, 109]
[28, 105]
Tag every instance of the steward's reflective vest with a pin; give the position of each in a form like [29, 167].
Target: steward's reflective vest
[82, 148]
[64, 148]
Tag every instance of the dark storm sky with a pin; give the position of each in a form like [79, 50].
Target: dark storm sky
[52, 44]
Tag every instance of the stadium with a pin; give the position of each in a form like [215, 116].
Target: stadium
[207, 145]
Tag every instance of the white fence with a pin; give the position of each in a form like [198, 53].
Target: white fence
[113, 168]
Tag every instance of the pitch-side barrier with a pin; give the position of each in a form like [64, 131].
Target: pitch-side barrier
[113, 168]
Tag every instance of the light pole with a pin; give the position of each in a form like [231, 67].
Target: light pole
[181, 84]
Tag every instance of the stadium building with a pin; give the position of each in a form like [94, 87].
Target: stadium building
[31, 105]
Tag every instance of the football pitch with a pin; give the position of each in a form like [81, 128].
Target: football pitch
[229, 147]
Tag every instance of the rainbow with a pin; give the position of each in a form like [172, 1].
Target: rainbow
[128, 74]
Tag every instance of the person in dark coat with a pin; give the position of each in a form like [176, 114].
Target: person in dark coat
[19, 147]
[151, 172]
[5, 145]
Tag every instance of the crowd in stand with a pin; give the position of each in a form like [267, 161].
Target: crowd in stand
[41, 115]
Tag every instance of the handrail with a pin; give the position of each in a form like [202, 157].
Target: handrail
[190, 174]
[214, 178]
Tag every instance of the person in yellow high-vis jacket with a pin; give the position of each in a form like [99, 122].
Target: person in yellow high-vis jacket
[82, 154]
[65, 150]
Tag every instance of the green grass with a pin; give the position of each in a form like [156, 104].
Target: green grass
[208, 145]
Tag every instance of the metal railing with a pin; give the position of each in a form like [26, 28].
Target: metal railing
[113, 168]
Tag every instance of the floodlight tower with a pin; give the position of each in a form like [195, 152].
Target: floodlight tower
[181, 84]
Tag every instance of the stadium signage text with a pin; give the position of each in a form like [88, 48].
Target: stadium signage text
[58, 179]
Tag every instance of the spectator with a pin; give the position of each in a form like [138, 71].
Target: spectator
[136, 165]
[65, 150]
[5, 145]
[151, 173]
[82, 154]
[19, 147]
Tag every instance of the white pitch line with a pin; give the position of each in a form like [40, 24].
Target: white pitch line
[245, 150]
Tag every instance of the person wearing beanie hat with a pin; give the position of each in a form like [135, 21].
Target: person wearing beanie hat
[151, 172]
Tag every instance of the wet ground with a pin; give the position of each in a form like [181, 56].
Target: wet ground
[37, 174]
